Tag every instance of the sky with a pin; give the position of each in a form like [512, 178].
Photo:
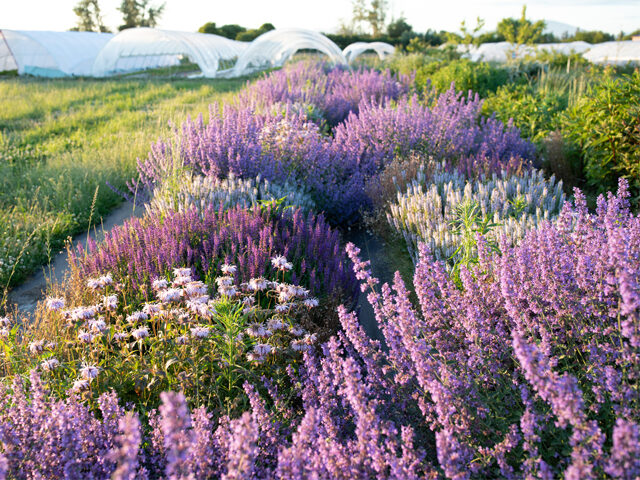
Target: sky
[325, 15]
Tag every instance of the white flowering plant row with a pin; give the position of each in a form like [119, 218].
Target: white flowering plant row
[206, 344]
[443, 208]
[189, 191]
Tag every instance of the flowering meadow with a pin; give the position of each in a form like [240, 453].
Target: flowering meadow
[218, 336]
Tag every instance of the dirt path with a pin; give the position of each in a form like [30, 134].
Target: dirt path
[374, 249]
[27, 295]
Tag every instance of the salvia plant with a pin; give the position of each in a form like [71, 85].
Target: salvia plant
[333, 92]
[145, 248]
[201, 193]
[443, 209]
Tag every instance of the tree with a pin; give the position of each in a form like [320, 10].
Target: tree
[374, 14]
[89, 17]
[231, 31]
[209, 27]
[469, 37]
[138, 13]
[398, 27]
[252, 34]
[521, 31]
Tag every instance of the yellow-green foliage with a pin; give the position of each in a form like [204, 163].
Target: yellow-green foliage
[62, 139]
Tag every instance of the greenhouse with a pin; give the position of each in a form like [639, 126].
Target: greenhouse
[274, 48]
[615, 53]
[382, 49]
[503, 51]
[50, 54]
[143, 48]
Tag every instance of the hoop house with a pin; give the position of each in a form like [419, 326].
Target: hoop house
[50, 54]
[274, 48]
[502, 51]
[143, 48]
[353, 51]
[615, 53]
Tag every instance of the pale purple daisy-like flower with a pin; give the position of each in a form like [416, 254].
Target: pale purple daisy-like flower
[260, 352]
[182, 272]
[55, 303]
[195, 289]
[4, 332]
[300, 345]
[137, 317]
[200, 332]
[181, 340]
[50, 364]
[170, 295]
[283, 307]
[5, 321]
[110, 302]
[262, 349]
[228, 291]
[159, 284]
[182, 280]
[258, 330]
[224, 281]
[85, 337]
[89, 372]
[281, 263]
[276, 324]
[310, 302]
[297, 331]
[106, 279]
[118, 336]
[80, 385]
[151, 308]
[94, 284]
[257, 284]
[36, 347]
[140, 333]
[84, 313]
[229, 269]
[98, 325]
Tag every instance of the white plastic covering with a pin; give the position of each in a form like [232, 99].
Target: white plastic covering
[50, 54]
[353, 51]
[142, 48]
[502, 51]
[274, 48]
[616, 53]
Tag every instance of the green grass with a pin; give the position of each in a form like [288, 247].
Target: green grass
[61, 140]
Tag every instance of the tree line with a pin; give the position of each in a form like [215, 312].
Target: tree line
[368, 22]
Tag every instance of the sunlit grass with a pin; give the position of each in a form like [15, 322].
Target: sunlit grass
[62, 139]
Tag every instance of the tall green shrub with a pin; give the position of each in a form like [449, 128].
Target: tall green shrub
[605, 124]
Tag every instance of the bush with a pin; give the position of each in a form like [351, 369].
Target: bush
[146, 248]
[605, 124]
[535, 113]
[450, 130]
[479, 77]
[440, 209]
[182, 340]
[188, 192]
[333, 91]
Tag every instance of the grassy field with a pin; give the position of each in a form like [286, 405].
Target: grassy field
[61, 140]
